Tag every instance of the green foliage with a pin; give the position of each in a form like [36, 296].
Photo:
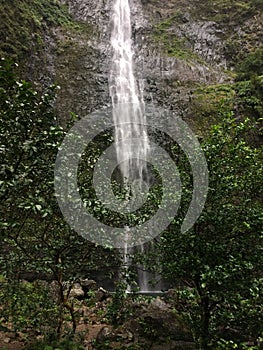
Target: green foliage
[28, 146]
[29, 143]
[24, 22]
[249, 97]
[94, 204]
[207, 104]
[28, 307]
[251, 66]
[30, 138]
[116, 310]
[35, 239]
[65, 344]
[210, 103]
[218, 263]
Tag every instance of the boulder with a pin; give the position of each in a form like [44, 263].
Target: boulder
[152, 326]
[101, 294]
[87, 286]
[54, 291]
[104, 334]
[76, 292]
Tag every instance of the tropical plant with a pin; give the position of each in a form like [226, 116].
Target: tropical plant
[35, 239]
[217, 266]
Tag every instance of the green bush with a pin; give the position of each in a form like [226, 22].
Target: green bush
[28, 306]
[65, 344]
[251, 66]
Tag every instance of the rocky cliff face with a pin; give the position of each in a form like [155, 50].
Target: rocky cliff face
[179, 47]
[168, 77]
[82, 59]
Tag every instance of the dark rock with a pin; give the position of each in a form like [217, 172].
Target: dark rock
[88, 286]
[151, 323]
[55, 291]
[101, 294]
[76, 292]
[104, 333]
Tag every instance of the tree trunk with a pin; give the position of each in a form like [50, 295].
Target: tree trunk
[205, 318]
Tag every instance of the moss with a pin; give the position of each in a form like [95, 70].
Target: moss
[210, 103]
[51, 12]
[23, 23]
[238, 23]
[176, 17]
[226, 12]
[172, 44]
[210, 99]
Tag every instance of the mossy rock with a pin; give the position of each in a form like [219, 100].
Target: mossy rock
[23, 24]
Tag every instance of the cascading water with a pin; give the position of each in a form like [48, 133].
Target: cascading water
[132, 143]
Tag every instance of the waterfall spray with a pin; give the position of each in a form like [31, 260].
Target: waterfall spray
[132, 143]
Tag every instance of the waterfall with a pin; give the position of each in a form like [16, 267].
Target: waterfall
[132, 143]
[126, 259]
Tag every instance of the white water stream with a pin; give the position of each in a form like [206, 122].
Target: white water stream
[132, 143]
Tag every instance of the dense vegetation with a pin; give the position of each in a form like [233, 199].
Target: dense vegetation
[217, 265]
[215, 268]
[35, 240]
[23, 24]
